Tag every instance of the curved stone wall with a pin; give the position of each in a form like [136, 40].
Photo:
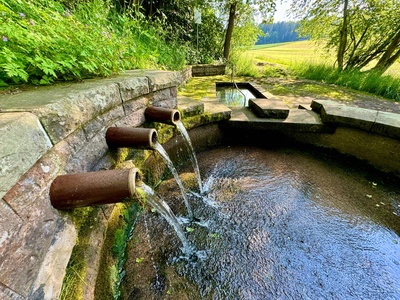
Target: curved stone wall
[60, 129]
[50, 131]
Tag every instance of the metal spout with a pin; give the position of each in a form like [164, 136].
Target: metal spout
[93, 188]
[131, 137]
[162, 115]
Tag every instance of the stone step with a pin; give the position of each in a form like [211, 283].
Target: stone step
[298, 120]
[379, 122]
[272, 108]
[189, 107]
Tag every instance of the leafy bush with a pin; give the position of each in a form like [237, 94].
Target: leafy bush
[43, 41]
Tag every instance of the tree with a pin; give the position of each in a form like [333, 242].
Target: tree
[364, 33]
[176, 22]
[263, 8]
[279, 32]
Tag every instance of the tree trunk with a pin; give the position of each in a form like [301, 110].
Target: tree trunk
[343, 37]
[388, 58]
[229, 30]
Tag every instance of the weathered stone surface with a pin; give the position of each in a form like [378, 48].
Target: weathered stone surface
[133, 119]
[135, 105]
[132, 87]
[345, 115]
[208, 70]
[63, 110]
[28, 247]
[387, 124]
[93, 254]
[35, 239]
[298, 120]
[164, 98]
[8, 294]
[269, 108]
[189, 107]
[159, 80]
[384, 123]
[213, 112]
[23, 142]
[379, 151]
[55, 262]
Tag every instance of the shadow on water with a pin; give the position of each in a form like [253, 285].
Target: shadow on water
[278, 224]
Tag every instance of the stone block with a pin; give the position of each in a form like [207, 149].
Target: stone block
[189, 107]
[135, 105]
[269, 108]
[208, 70]
[159, 80]
[132, 87]
[47, 285]
[23, 142]
[100, 122]
[387, 124]
[62, 110]
[28, 246]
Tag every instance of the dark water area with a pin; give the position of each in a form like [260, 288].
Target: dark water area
[275, 224]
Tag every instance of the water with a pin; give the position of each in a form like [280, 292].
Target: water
[193, 157]
[165, 156]
[164, 210]
[287, 225]
[232, 96]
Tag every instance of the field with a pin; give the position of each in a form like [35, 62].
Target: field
[289, 54]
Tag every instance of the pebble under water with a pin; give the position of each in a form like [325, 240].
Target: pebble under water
[274, 224]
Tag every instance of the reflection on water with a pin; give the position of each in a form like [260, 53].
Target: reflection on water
[231, 96]
[286, 225]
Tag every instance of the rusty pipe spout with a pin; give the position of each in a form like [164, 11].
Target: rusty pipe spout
[131, 137]
[162, 115]
[93, 188]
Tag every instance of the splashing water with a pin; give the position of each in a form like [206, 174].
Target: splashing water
[193, 158]
[164, 210]
[165, 156]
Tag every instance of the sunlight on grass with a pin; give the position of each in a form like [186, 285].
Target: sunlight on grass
[288, 53]
[199, 87]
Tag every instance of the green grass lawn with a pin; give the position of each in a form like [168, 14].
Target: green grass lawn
[276, 64]
[289, 54]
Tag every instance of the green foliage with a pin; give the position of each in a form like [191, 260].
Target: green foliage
[122, 235]
[364, 34]
[371, 82]
[42, 41]
[279, 32]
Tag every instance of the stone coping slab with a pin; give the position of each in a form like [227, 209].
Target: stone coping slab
[23, 140]
[63, 108]
[298, 120]
[269, 108]
[189, 107]
[383, 123]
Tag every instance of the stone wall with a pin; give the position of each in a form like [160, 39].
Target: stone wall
[208, 70]
[49, 131]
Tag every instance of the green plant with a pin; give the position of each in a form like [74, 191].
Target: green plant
[43, 41]
[371, 82]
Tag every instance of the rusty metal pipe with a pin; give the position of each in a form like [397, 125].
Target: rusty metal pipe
[93, 188]
[131, 137]
[162, 115]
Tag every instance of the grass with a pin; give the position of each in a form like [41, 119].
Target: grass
[304, 59]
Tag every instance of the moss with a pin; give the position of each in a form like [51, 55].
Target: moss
[74, 280]
[120, 225]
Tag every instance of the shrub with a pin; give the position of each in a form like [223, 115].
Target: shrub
[43, 41]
